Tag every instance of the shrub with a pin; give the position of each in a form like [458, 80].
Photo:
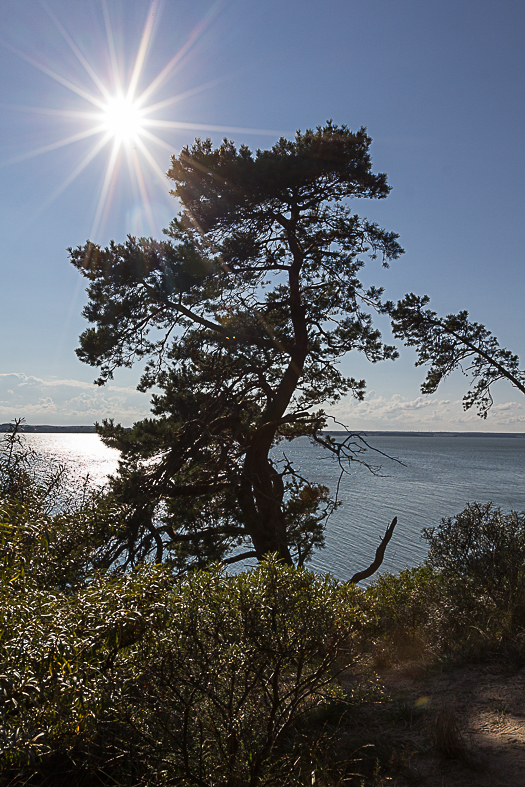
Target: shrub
[59, 685]
[151, 679]
[480, 555]
[403, 606]
[144, 677]
[241, 659]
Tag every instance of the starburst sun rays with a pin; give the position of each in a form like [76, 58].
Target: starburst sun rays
[120, 118]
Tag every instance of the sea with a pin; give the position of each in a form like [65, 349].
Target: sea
[419, 477]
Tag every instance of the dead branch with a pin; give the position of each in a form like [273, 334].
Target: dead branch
[380, 554]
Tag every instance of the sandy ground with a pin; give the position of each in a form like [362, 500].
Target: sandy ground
[467, 726]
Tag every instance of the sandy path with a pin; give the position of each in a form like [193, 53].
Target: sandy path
[487, 703]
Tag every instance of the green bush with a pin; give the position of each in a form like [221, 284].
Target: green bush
[144, 677]
[468, 596]
[480, 555]
[59, 685]
[242, 658]
[151, 679]
[402, 606]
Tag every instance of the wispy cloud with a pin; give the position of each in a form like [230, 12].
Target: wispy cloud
[42, 401]
[426, 413]
[67, 401]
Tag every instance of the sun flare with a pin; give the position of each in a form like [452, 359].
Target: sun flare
[121, 113]
[123, 119]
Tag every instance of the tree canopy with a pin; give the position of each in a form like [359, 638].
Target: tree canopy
[455, 342]
[241, 315]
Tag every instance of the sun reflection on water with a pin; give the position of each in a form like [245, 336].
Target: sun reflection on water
[84, 455]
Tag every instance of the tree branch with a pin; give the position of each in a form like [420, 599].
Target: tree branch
[380, 554]
[196, 318]
[236, 558]
[477, 350]
[199, 535]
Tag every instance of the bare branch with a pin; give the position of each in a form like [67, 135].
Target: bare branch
[380, 554]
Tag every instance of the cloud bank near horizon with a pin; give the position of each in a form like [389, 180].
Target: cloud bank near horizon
[75, 402]
[427, 413]
[68, 402]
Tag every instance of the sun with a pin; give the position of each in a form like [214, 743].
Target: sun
[123, 119]
[120, 115]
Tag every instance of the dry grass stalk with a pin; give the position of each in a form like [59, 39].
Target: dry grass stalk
[448, 740]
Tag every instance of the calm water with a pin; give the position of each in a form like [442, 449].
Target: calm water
[439, 475]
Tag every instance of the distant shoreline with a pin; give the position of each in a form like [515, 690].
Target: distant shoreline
[399, 433]
[50, 429]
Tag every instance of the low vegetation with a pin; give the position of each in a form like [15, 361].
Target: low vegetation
[149, 677]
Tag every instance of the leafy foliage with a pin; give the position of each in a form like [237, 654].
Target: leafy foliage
[446, 343]
[144, 677]
[241, 315]
[59, 687]
[467, 598]
[480, 555]
[148, 680]
[242, 658]
[401, 601]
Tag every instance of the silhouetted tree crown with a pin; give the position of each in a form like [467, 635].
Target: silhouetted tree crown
[242, 315]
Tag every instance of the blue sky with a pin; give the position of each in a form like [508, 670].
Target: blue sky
[439, 85]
